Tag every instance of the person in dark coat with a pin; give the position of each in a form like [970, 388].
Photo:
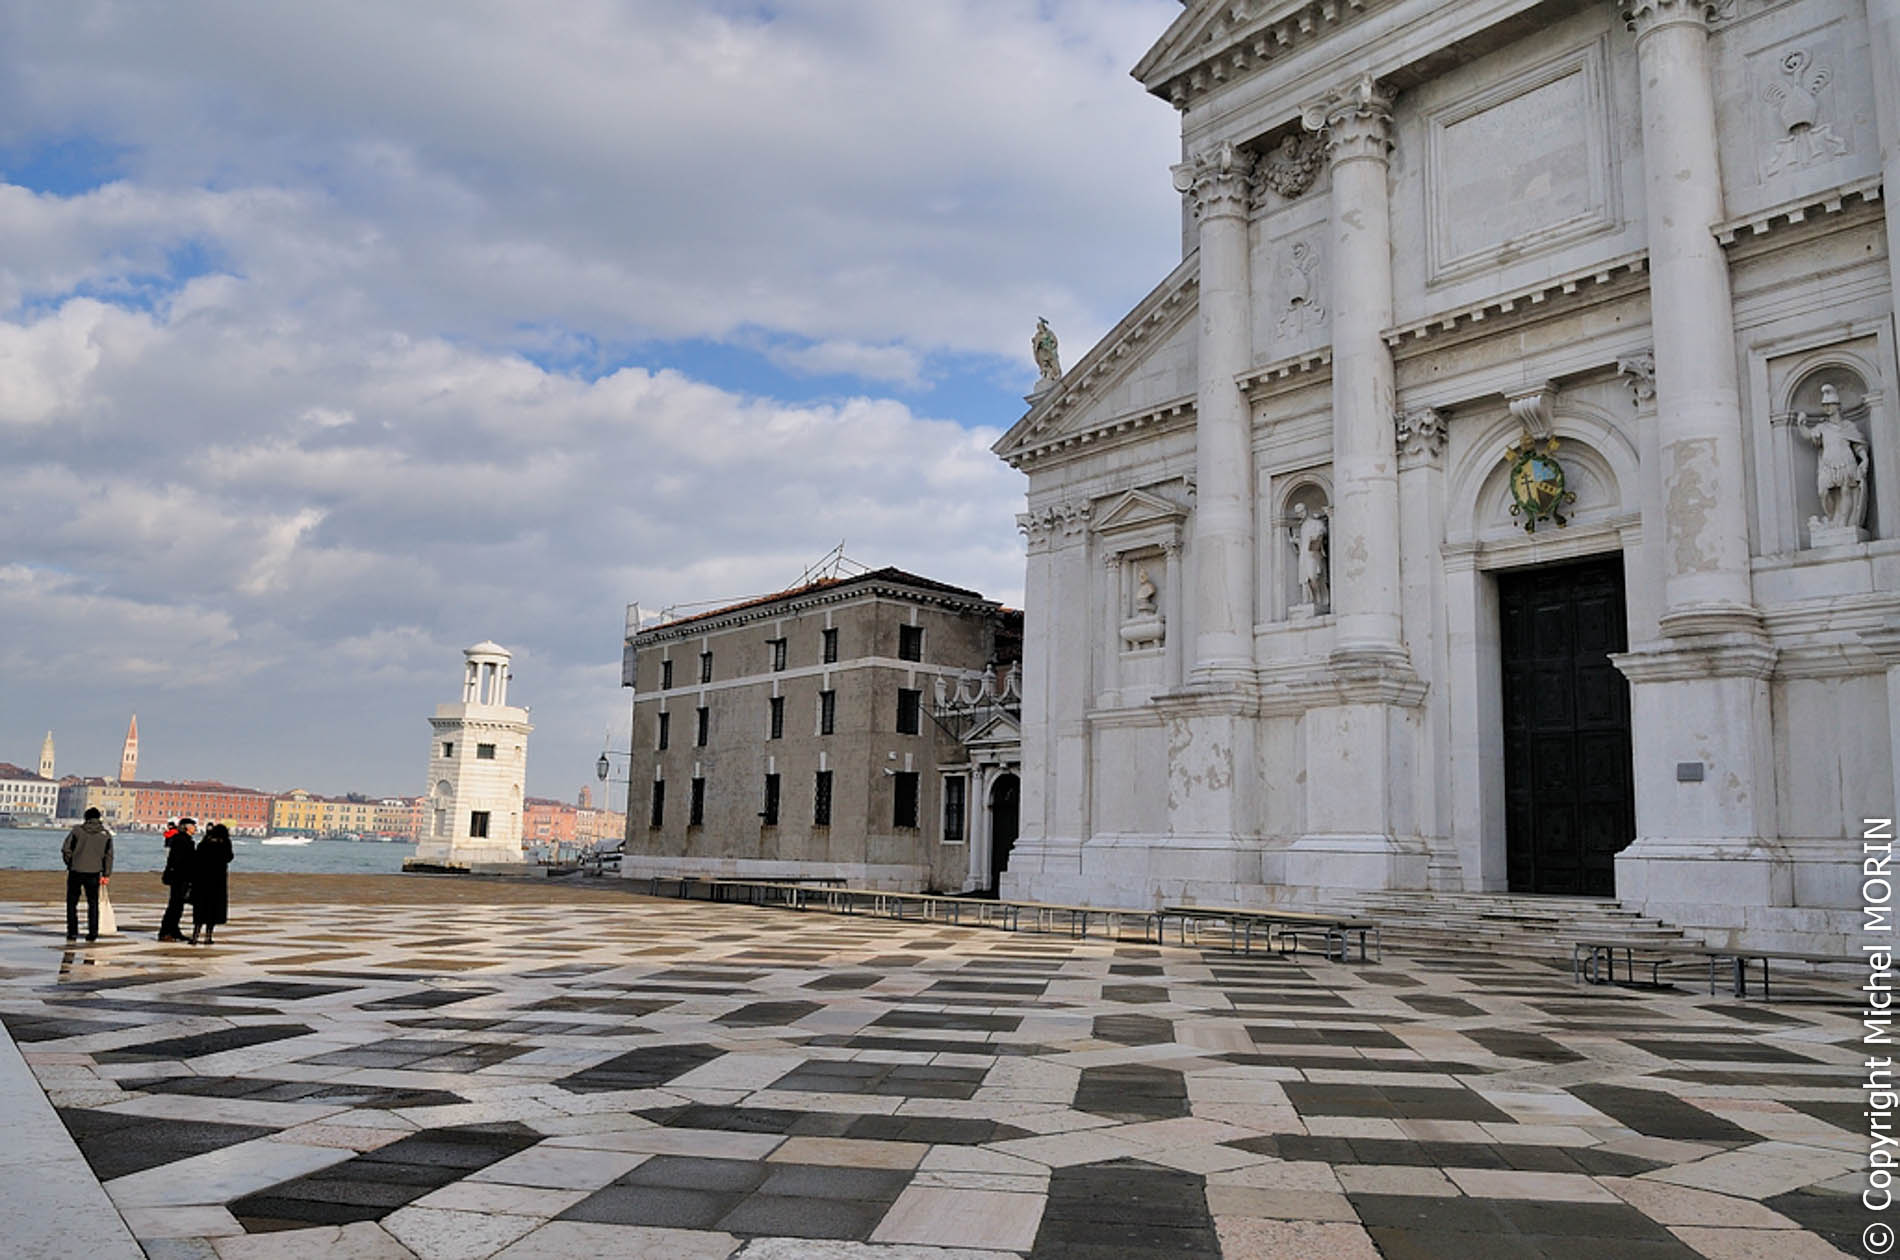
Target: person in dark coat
[180, 850]
[87, 852]
[209, 902]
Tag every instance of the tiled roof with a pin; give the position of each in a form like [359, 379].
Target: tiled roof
[10, 771]
[892, 575]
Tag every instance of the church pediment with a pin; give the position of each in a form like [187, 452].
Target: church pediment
[1000, 727]
[1216, 41]
[1138, 509]
[1130, 379]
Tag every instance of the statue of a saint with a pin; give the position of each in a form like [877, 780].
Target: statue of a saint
[1841, 473]
[1043, 346]
[1144, 594]
[1309, 541]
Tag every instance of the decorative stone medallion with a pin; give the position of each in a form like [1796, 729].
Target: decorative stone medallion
[1537, 482]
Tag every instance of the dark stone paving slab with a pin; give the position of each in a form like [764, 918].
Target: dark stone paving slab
[1399, 1102]
[116, 1145]
[839, 1076]
[203, 1043]
[640, 1069]
[1132, 1092]
[1124, 1209]
[1656, 1114]
[370, 1186]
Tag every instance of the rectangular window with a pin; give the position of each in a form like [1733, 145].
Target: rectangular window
[827, 712]
[448, 750]
[696, 805]
[831, 647]
[953, 788]
[484, 752]
[478, 824]
[657, 818]
[910, 643]
[705, 667]
[769, 815]
[778, 652]
[702, 723]
[666, 674]
[662, 730]
[777, 718]
[909, 701]
[821, 799]
[904, 799]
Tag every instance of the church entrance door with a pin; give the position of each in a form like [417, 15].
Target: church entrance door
[1569, 800]
[1004, 799]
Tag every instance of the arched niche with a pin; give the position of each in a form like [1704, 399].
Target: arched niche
[1806, 409]
[1598, 463]
[1311, 489]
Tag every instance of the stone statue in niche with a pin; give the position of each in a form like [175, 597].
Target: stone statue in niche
[1795, 96]
[1145, 628]
[1299, 286]
[1309, 532]
[1042, 345]
[1840, 473]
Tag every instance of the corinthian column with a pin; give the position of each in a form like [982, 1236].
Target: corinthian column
[1220, 182]
[1365, 524]
[1698, 405]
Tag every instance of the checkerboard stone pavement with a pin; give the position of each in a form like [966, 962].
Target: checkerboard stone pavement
[688, 1081]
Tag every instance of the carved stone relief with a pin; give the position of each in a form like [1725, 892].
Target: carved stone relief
[1292, 166]
[1143, 625]
[1843, 466]
[1043, 528]
[1796, 93]
[1301, 287]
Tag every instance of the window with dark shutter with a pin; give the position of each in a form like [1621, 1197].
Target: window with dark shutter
[953, 789]
[696, 804]
[827, 712]
[702, 723]
[769, 815]
[909, 702]
[705, 667]
[910, 643]
[657, 818]
[777, 718]
[830, 642]
[821, 799]
[663, 726]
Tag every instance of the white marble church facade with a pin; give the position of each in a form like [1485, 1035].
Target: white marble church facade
[1286, 635]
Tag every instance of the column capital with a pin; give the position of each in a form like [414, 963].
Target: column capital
[1356, 118]
[1644, 16]
[1219, 178]
[1421, 433]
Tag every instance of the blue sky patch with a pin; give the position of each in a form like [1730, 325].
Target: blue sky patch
[63, 168]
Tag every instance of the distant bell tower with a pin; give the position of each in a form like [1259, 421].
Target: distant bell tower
[478, 762]
[46, 757]
[129, 758]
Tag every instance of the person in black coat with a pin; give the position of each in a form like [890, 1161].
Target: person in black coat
[180, 850]
[209, 901]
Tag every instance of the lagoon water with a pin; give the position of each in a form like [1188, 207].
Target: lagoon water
[37, 849]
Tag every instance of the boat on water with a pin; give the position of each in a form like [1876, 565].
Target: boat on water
[286, 840]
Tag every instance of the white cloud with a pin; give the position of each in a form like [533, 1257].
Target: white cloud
[275, 435]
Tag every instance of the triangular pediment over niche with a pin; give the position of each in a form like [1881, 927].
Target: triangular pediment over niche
[1137, 509]
[1000, 727]
[1140, 374]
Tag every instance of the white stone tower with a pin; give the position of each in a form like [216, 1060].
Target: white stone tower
[46, 756]
[478, 762]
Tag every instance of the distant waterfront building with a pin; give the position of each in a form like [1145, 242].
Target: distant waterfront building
[796, 734]
[245, 811]
[302, 813]
[115, 801]
[547, 822]
[23, 792]
[478, 761]
[129, 755]
[399, 817]
[46, 758]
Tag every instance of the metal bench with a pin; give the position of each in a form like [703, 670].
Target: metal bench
[1594, 961]
[1282, 929]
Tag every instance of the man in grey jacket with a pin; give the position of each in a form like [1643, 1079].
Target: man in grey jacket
[88, 855]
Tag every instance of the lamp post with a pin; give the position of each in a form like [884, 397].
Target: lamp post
[603, 769]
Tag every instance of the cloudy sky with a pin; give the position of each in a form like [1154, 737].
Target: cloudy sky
[336, 337]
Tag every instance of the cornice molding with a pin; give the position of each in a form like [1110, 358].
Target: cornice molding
[1864, 191]
[1531, 297]
[1216, 42]
[791, 605]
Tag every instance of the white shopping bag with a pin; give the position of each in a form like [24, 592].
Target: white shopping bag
[108, 922]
